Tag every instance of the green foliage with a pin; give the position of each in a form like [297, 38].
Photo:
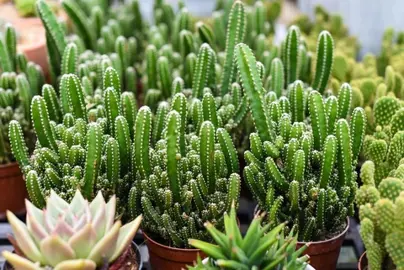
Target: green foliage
[260, 248]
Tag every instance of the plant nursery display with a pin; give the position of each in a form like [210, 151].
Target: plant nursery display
[170, 120]
[260, 248]
[76, 235]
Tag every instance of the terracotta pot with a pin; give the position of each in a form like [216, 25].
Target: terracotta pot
[32, 40]
[129, 260]
[363, 262]
[324, 254]
[12, 189]
[169, 258]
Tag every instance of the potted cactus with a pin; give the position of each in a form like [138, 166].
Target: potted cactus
[19, 81]
[187, 178]
[381, 205]
[301, 170]
[260, 248]
[76, 235]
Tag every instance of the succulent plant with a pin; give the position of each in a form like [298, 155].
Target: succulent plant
[79, 235]
[300, 166]
[98, 27]
[188, 177]
[381, 205]
[260, 248]
[19, 82]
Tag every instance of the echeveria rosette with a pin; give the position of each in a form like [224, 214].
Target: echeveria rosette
[79, 235]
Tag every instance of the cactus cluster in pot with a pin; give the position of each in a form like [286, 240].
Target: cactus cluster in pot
[188, 177]
[260, 248]
[67, 236]
[381, 206]
[301, 160]
[78, 146]
[19, 82]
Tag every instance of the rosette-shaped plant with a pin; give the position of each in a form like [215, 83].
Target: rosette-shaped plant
[301, 167]
[381, 214]
[260, 248]
[79, 235]
[188, 177]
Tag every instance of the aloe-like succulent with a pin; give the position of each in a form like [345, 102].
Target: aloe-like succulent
[76, 235]
[381, 206]
[190, 174]
[19, 82]
[260, 248]
[300, 163]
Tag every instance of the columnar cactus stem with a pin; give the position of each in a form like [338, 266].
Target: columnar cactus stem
[141, 142]
[291, 56]
[325, 58]
[41, 123]
[204, 73]
[70, 59]
[277, 76]
[235, 34]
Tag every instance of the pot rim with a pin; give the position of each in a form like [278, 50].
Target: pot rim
[360, 260]
[148, 238]
[8, 165]
[328, 240]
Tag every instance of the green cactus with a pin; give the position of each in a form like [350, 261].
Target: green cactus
[189, 170]
[380, 213]
[302, 174]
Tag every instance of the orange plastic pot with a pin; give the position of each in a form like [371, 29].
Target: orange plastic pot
[12, 189]
[169, 258]
[324, 254]
[363, 262]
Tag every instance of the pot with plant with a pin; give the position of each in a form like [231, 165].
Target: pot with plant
[260, 248]
[186, 178]
[19, 81]
[75, 235]
[300, 168]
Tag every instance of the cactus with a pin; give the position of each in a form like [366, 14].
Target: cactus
[88, 148]
[260, 247]
[380, 207]
[17, 87]
[303, 172]
[187, 177]
[75, 246]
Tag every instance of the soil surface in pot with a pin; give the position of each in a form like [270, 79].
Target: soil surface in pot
[127, 261]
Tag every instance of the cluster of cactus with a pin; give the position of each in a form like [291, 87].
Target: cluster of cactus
[188, 177]
[76, 235]
[98, 27]
[78, 145]
[346, 44]
[300, 169]
[385, 147]
[19, 82]
[381, 207]
[260, 248]
[391, 52]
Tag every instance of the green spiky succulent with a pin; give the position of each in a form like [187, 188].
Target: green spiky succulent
[381, 205]
[260, 248]
[19, 82]
[79, 235]
[300, 163]
[188, 177]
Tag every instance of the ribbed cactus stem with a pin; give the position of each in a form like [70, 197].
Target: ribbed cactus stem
[235, 34]
[325, 58]
[292, 64]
